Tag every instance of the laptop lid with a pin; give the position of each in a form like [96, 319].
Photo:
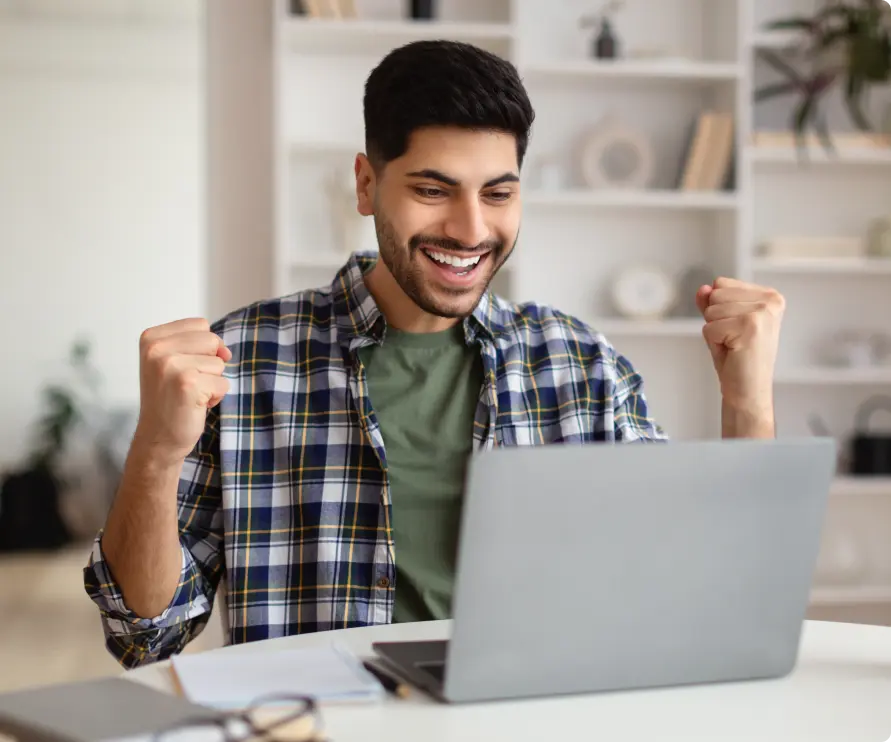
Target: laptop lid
[617, 566]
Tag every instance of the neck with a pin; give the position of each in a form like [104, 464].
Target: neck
[400, 311]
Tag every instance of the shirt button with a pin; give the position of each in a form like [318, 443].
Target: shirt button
[383, 582]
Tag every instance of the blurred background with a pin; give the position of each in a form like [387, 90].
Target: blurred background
[169, 158]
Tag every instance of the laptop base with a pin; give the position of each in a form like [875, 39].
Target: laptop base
[422, 663]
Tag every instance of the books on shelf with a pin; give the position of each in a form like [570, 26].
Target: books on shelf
[807, 248]
[324, 8]
[709, 155]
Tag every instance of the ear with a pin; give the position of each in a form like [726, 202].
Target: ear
[365, 185]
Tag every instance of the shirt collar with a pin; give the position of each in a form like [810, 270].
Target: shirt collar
[358, 316]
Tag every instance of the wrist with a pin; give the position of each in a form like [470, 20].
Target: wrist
[153, 459]
[748, 419]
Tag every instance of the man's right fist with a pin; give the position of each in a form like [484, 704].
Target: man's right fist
[181, 368]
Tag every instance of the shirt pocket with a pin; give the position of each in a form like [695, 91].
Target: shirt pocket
[536, 417]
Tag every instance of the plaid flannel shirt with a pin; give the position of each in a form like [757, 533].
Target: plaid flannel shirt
[285, 497]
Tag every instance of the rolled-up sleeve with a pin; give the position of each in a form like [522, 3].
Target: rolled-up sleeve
[631, 413]
[134, 640]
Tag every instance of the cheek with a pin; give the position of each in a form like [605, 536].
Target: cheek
[410, 218]
[506, 223]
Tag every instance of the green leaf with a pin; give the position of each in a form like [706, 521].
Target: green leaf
[784, 24]
[80, 352]
[853, 95]
[803, 113]
[842, 12]
[823, 132]
[781, 66]
[831, 37]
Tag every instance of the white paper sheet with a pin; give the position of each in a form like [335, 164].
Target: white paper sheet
[235, 680]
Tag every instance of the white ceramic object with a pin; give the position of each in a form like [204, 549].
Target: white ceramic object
[644, 292]
[615, 155]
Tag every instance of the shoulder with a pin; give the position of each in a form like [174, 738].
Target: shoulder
[280, 320]
[543, 331]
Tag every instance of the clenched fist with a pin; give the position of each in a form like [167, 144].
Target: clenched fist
[742, 329]
[181, 376]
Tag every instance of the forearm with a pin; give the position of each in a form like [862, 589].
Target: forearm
[747, 422]
[141, 541]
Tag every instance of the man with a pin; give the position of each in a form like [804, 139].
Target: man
[308, 452]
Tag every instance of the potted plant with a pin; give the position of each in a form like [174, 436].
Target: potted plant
[30, 514]
[847, 43]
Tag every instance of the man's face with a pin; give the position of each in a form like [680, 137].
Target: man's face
[447, 215]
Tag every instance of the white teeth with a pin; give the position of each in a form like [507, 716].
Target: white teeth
[452, 260]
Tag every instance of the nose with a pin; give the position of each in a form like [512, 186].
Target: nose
[465, 223]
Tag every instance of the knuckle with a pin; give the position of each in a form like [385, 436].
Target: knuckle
[186, 380]
[166, 365]
[752, 322]
[154, 352]
[146, 340]
[198, 324]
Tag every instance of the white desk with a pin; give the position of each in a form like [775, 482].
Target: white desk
[840, 691]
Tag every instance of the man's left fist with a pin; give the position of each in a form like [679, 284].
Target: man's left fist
[742, 329]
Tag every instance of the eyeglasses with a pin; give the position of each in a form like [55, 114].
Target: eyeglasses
[278, 718]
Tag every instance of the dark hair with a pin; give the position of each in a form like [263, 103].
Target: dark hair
[442, 83]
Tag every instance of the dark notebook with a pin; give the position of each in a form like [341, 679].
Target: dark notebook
[92, 711]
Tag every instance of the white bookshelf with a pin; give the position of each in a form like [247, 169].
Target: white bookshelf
[814, 157]
[823, 267]
[670, 328]
[574, 240]
[646, 70]
[670, 199]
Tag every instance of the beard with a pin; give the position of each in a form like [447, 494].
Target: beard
[405, 263]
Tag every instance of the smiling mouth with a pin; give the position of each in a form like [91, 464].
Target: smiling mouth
[458, 266]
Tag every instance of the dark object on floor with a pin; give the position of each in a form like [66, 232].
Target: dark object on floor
[30, 519]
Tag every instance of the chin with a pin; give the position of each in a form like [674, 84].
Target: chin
[449, 304]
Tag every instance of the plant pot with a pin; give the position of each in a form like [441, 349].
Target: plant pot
[870, 450]
[423, 9]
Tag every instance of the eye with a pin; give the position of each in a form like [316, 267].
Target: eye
[428, 192]
[499, 195]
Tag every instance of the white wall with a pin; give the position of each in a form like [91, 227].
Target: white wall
[101, 191]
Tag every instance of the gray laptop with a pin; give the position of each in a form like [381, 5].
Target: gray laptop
[99, 710]
[603, 567]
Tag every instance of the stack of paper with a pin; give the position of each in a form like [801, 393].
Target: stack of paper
[228, 680]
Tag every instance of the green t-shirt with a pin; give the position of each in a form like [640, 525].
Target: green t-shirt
[424, 389]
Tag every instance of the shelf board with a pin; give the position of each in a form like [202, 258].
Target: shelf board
[680, 327]
[828, 376]
[847, 486]
[822, 266]
[811, 156]
[631, 198]
[775, 40]
[326, 261]
[850, 595]
[642, 69]
[340, 149]
[320, 32]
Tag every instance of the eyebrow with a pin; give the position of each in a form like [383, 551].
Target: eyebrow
[443, 178]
